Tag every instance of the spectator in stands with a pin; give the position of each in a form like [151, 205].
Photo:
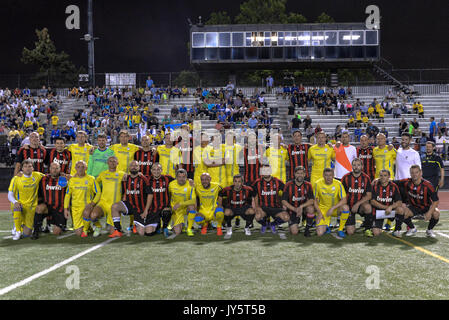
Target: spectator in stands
[184, 91]
[55, 133]
[270, 82]
[414, 129]
[432, 129]
[372, 130]
[403, 126]
[342, 93]
[440, 144]
[175, 93]
[253, 122]
[422, 143]
[296, 122]
[149, 82]
[358, 132]
[307, 121]
[442, 126]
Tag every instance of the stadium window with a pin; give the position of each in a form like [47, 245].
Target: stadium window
[198, 53]
[211, 53]
[357, 52]
[331, 52]
[330, 38]
[371, 52]
[303, 52]
[317, 52]
[318, 38]
[344, 52]
[371, 37]
[267, 40]
[237, 54]
[344, 38]
[304, 39]
[274, 39]
[290, 53]
[248, 39]
[197, 40]
[281, 39]
[224, 39]
[358, 38]
[211, 39]
[224, 53]
[277, 53]
[257, 39]
[251, 53]
[264, 53]
[237, 39]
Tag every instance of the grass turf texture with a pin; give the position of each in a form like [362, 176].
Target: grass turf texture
[209, 267]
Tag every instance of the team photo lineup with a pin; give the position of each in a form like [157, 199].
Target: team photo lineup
[202, 180]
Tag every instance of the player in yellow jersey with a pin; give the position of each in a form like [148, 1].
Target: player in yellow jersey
[384, 156]
[109, 184]
[199, 154]
[215, 161]
[169, 156]
[81, 190]
[321, 156]
[330, 198]
[22, 193]
[182, 201]
[209, 209]
[276, 156]
[232, 157]
[80, 151]
[124, 151]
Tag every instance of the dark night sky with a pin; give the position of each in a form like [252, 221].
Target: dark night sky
[151, 36]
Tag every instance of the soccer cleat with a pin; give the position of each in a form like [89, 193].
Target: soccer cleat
[219, 231]
[411, 232]
[172, 236]
[341, 234]
[430, 234]
[368, 233]
[115, 234]
[83, 235]
[387, 227]
[328, 230]
[251, 225]
[97, 232]
[35, 235]
[247, 231]
[166, 232]
[307, 233]
[190, 232]
[134, 229]
[282, 236]
[263, 229]
[273, 228]
[13, 231]
[46, 229]
[228, 233]
[204, 229]
[397, 234]
[17, 235]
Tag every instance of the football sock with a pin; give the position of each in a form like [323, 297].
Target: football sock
[263, 221]
[131, 220]
[117, 225]
[38, 219]
[228, 220]
[17, 216]
[409, 222]
[219, 216]
[166, 216]
[97, 223]
[249, 220]
[399, 220]
[390, 221]
[368, 221]
[190, 218]
[432, 223]
[343, 218]
[86, 223]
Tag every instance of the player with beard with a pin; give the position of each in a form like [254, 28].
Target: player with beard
[344, 154]
[251, 158]
[358, 191]
[146, 156]
[298, 198]
[297, 153]
[365, 153]
[406, 157]
[60, 155]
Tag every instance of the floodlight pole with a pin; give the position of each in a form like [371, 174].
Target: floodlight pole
[90, 45]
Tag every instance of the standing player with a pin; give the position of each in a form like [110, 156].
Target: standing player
[124, 151]
[60, 155]
[199, 154]
[330, 197]
[51, 202]
[34, 152]
[358, 191]
[23, 195]
[137, 199]
[298, 198]
[232, 155]
[321, 156]
[277, 156]
[185, 146]
[146, 157]
[215, 161]
[344, 154]
[237, 201]
[420, 199]
[251, 158]
[99, 158]
[386, 196]
[81, 190]
[80, 151]
[169, 156]
[406, 157]
[432, 166]
[297, 153]
[267, 200]
[182, 201]
[384, 156]
[210, 208]
[365, 153]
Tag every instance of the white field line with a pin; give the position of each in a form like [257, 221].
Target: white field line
[442, 234]
[56, 266]
[66, 235]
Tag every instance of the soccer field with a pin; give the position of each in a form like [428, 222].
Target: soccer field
[207, 267]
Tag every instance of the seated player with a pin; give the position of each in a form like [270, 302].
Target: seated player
[210, 208]
[420, 198]
[385, 197]
[358, 190]
[299, 200]
[237, 201]
[137, 199]
[81, 190]
[330, 197]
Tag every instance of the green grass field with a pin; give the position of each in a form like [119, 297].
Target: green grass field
[209, 267]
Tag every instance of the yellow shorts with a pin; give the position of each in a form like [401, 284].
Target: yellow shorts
[106, 207]
[325, 221]
[77, 217]
[178, 216]
[27, 216]
[208, 214]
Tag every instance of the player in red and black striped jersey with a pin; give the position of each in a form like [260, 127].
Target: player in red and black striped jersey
[419, 198]
[365, 153]
[137, 199]
[237, 201]
[251, 156]
[185, 145]
[385, 196]
[299, 200]
[59, 154]
[51, 202]
[358, 193]
[297, 153]
[34, 151]
[146, 157]
[268, 200]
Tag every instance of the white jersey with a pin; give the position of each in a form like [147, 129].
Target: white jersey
[343, 160]
[404, 160]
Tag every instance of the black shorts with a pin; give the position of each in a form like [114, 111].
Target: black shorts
[378, 223]
[418, 211]
[56, 217]
[272, 212]
[293, 218]
[239, 211]
[130, 210]
[351, 219]
[152, 219]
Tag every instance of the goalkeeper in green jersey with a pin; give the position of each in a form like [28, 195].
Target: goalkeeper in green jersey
[98, 160]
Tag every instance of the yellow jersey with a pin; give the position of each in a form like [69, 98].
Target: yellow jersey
[81, 191]
[185, 194]
[321, 159]
[328, 195]
[25, 188]
[109, 186]
[207, 197]
[218, 174]
[79, 153]
[124, 154]
[277, 158]
[232, 154]
[169, 158]
[199, 154]
[384, 159]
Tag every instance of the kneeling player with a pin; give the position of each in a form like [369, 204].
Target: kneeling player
[422, 199]
[385, 197]
[137, 199]
[298, 198]
[237, 200]
[210, 209]
[330, 197]
[358, 190]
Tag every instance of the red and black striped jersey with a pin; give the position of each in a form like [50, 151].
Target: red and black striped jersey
[268, 192]
[51, 193]
[298, 157]
[366, 155]
[186, 148]
[36, 155]
[63, 158]
[297, 195]
[159, 188]
[237, 199]
[421, 195]
[386, 195]
[135, 191]
[145, 159]
[251, 159]
[356, 188]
